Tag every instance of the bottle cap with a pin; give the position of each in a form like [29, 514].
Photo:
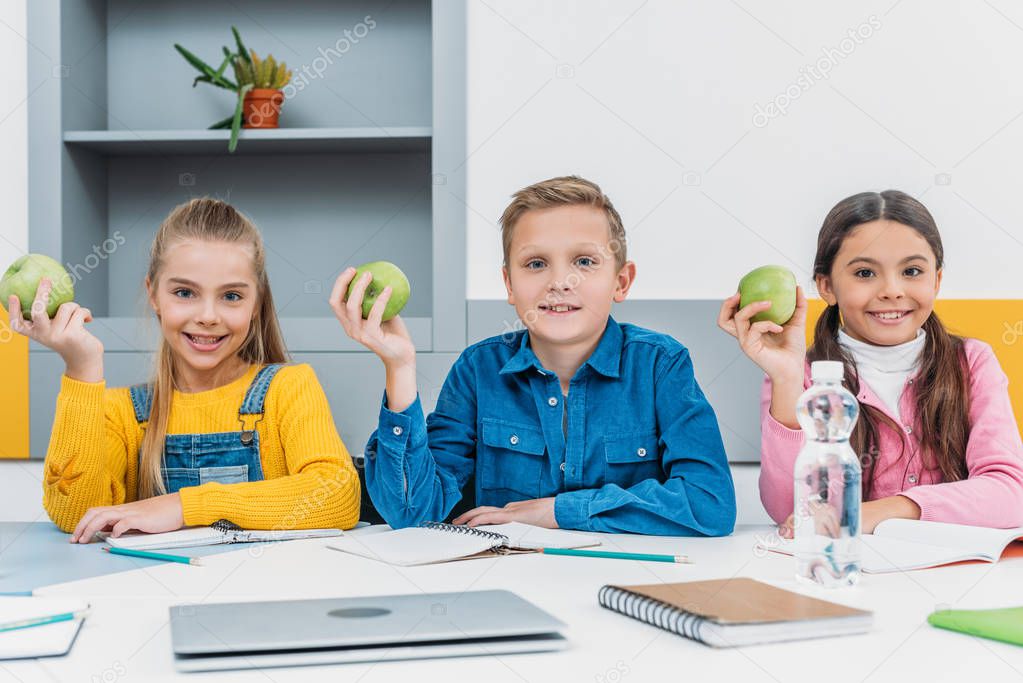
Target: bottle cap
[827, 370]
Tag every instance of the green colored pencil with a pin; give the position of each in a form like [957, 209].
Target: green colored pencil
[153, 556]
[42, 621]
[647, 557]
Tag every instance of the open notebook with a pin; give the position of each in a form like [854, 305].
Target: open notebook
[906, 544]
[215, 534]
[436, 542]
[38, 641]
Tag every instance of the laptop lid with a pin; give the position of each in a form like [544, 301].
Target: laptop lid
[278, 626]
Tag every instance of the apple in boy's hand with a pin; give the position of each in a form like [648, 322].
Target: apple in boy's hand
[22, 280]
[385, 274]
[776, 284]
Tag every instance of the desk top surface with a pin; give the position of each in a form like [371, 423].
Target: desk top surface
[127, 637]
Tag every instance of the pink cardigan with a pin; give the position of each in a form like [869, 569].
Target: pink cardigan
[992, 496]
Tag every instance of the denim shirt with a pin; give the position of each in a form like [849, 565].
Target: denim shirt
[642, 452]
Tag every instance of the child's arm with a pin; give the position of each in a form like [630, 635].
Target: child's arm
[992, 496]
[779, 447]
[321, 489]
[415, 468]
[698, 498]
[86, 462]
[408, 481]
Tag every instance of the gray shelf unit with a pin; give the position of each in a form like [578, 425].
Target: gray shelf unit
[270, 141]
[368, 165]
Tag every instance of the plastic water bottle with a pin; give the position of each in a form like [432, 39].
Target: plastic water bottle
[826, 523]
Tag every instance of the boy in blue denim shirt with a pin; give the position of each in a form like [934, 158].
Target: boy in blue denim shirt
[578, 421]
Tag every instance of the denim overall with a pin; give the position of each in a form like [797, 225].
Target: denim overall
[225, 457]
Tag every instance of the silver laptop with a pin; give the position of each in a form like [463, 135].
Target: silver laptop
[246, 635]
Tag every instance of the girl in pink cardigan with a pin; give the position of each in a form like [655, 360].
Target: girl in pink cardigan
[936, 436]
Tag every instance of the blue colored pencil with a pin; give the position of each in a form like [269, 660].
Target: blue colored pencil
[145, 555]
[42, 621]
[648, 557]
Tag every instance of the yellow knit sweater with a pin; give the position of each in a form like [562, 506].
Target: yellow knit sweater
[309, 479]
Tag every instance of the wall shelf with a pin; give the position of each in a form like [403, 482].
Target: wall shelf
[369, 164]
[271, 141]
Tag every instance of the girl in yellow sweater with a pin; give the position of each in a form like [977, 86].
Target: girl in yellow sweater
[226, 430]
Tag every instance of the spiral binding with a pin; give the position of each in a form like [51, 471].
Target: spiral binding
[651, 611]
[225, 526]
[500, 539]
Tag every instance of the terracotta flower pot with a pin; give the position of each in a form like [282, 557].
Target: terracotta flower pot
[261, 107]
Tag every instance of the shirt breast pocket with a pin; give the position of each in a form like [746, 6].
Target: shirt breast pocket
[632, 458]
[512, 457]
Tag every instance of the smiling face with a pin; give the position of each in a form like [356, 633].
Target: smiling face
[205, 298]
[562, 276]
[885, 280]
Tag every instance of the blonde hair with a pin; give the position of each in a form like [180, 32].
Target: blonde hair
[563, 191]
[206, 220]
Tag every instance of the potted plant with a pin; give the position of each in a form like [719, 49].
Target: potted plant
[262, 104]
[263, 79]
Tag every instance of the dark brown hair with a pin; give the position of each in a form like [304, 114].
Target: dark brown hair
[942, 383]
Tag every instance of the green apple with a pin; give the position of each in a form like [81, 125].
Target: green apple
[22, 280]
[776, 284]
[384, 274]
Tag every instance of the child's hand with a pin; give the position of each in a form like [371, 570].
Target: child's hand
[779, 350]
[538, 512]
[389, 340]
[65, 334]
[874, 512]
[152, 515]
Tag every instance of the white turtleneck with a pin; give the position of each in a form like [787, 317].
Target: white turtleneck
[886, 368]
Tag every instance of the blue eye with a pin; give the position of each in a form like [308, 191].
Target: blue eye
[535, 264]
[860, 273]
[586, 262]
[233, 296]
[182, 293]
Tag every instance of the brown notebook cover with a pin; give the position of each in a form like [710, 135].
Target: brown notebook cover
[741, 601]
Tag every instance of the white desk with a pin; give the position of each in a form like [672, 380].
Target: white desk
[127, 636]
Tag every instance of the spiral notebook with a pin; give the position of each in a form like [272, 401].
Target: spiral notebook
[734, 612]
[433, 542]
[217, 533]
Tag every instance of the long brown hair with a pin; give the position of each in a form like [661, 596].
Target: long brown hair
[207, 220]
[942, 384]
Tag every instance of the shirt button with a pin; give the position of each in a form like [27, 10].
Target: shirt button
[514, 439]
[912, 479]
[641, 452]
[909, 430]
[562, 467]
[552, 401]
[397, 431]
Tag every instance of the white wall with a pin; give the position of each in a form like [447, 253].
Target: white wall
[13, 132]
[656, 101]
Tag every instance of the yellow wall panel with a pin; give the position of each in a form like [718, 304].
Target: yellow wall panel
[13, 392]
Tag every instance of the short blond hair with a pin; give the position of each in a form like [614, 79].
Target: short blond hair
[563, 191]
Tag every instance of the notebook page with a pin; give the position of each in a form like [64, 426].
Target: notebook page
[969, 540]
[534, 537]
[182, 538]
[413, 545]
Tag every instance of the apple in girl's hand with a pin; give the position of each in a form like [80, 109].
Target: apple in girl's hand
[385, 274]
[22, 280]
[776, 284]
